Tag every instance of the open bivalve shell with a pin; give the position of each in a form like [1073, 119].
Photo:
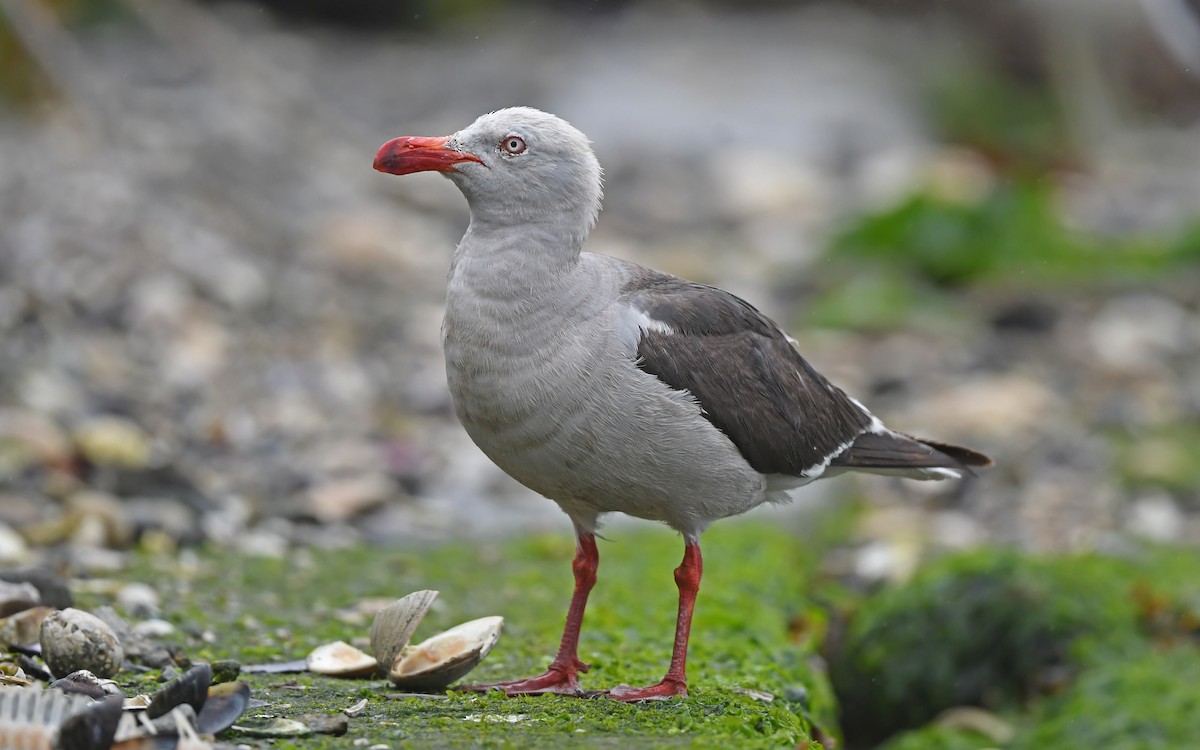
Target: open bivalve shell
[437, 661]
[340, 659]
[395, 624]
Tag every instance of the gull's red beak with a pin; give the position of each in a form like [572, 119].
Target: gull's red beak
[414, 153]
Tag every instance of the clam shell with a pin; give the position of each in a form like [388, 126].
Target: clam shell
[395, 623]
[226, 703]
[189, 688]
[448, 656]
[340, 659]
[93, 727]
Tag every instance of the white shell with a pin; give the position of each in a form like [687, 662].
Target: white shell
[441, 659]
[340, 659]
[395, 623]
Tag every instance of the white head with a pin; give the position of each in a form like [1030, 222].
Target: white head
[515, 166]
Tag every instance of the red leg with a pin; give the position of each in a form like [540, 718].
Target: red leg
[687, 578]
[562, 675]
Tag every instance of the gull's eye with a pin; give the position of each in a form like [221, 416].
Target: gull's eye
[513, 144]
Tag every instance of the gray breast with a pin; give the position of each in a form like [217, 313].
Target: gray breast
[567, 413]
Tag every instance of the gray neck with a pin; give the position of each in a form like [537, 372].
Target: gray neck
[517, 255]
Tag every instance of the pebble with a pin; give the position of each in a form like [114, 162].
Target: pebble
[112, 441]
[17, 597]
[274, 728]
[21, 510]
[1007, 405]
[341, 499]
[153, 628]
[225, 670]
[72, 640]
[29, 439]
[139, 600]
[1135, 332]
[99, 519]
[23, 628]
[13, 548]
[334, 724]
[52, 588]
[1156, 517]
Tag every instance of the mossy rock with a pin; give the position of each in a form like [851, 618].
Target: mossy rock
[983, 629]
[1067, 649]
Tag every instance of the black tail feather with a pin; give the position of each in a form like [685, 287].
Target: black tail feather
[895, 450]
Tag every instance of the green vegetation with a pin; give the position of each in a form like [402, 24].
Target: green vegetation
[913, 259]
[264, 610]
[1014, 234]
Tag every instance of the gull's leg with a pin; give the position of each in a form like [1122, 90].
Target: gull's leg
[687, 578]
[562, 675]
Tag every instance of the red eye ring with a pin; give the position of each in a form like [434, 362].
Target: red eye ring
[513, 144]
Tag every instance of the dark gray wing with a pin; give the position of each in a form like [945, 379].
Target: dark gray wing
[753, 386]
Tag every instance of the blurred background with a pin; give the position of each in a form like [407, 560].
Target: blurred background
[218, 323]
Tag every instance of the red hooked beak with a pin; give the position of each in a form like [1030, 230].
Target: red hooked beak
[410, 154]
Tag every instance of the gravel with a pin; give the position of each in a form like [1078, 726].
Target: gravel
[217, 322]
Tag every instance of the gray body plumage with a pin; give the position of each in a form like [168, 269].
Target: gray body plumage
[541, 369]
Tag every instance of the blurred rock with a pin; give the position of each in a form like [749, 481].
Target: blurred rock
[51, 588]
[112, 441]
[98, 519]
[22, 510]
[23, 628]
[30, 439]
[341, 499]
[13, 549]
[17, 597]
[1136, 332]
[1000, 405]
[1156, 517]
[138, 600]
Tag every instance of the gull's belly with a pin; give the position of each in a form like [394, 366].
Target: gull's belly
[596, 434]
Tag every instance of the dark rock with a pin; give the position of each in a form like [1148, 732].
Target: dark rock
[52, 589]
[1028, 316]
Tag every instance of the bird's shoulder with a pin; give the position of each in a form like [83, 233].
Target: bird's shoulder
[692, 309]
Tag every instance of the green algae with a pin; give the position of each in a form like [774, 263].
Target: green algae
[269, 610]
